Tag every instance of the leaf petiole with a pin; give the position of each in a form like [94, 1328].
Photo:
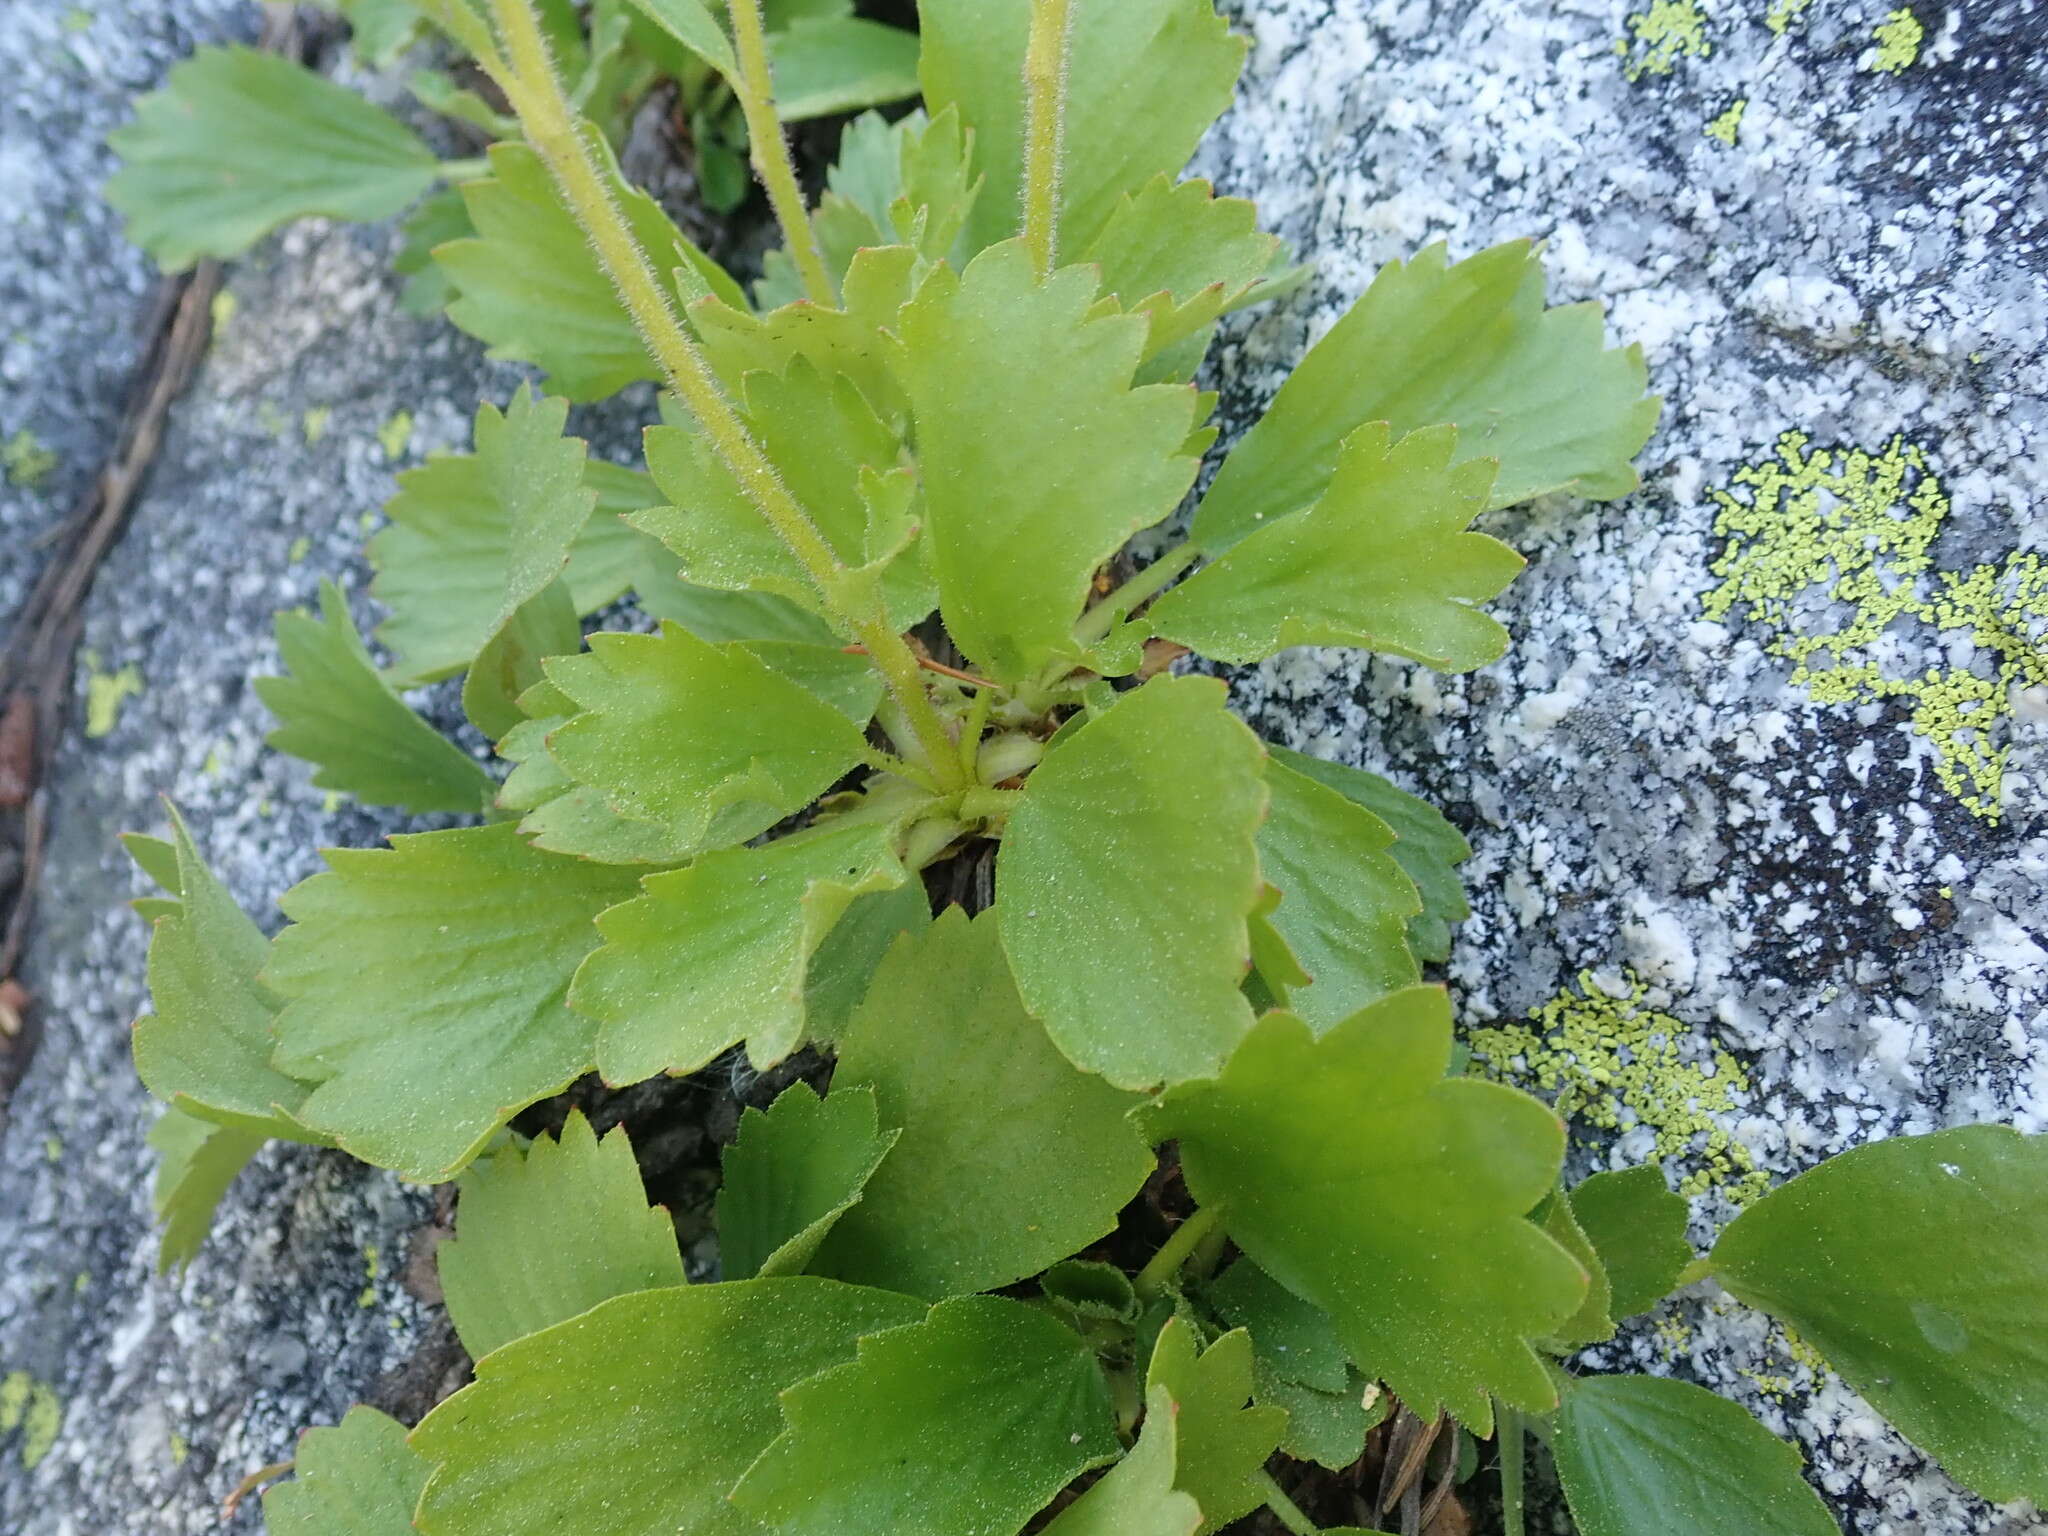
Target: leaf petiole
[1045, 78]
[1160, 1269]
[756, 90]
[1285, 1509]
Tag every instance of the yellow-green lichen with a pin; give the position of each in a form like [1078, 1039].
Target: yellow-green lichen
[314, 423]
[1674, 1333]
[180, 1449]
[395, 434]
[26, 462]
[300, 548]
[1661, 35]
[1898, 38]
[222, 311]
[1614, 1064]
[1729, 123]
[1783, 13]
[369, 1296]
[1830, 549]
[106, 692]
[34, 1408]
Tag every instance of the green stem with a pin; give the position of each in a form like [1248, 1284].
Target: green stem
[1140, 589]
[1045, 80]
[1508, 1432]
[888, 762]
[972, 728]
[756, 88]
[530, 84]
[453, 171]
[1289, 1512]
[1165, 1264]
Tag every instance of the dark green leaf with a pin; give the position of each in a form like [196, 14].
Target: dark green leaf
[546, 1234]
[1469, 345]
[1126, 877]
[238, 142]
[424, 990]
[1416, 1243]
[1919, 1267]
[1645, 1456]
[435, 221]
[841, 64]
[1328, 1428]
[1010, 1159]
[336, 711]
[794, 1171]
[647, 1407]
[1297, 1338]
[965, 1423]
[1428, 847]
[691, 23]
[1593, 1322]
[1344, 901]
[1637, 1226]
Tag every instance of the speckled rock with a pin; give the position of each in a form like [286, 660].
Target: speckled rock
[142, 1401]
[1821, 219]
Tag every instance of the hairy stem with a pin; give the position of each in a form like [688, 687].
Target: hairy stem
[1508, 1429]
[1141, 588]
[756, 88]
[530, 84]
[1045, 86]
[1173, 1253]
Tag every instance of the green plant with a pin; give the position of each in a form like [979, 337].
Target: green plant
[1156, 1162]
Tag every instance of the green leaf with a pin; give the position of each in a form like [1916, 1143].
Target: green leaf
[511, 660]
[424, 989]
[199, 1160]
[965, 1423]
[848, 340]
[1019, 519]
[1469, 345]
[721, 616]
[691, 23]
[546, 1234]
[609, 555]
[1296, 1337]
[1223, 1443]
[1137, 1496]
[792, 1173]
[206, 1047]
[844, 967]
[912, 180]
[841, 64]
[1637, 1226]
[1345, 902]
[1428, 847]
[1416, 1245]
[563, 816]
[705, 742]
[1126, 876]
[720, 952]
[1645, 1456]
[1919, 1267]
[834, 454]
[1010, 1159]
[1182, 255]
[1144, 80]
[647, 1407]
[1328, 1428]
[358, 1478]
[1383, 560]
[437, 220]
[474, 536]
[380, 30]
[530, 287]
[238, 142]
[1593, 1322]
[336, 711]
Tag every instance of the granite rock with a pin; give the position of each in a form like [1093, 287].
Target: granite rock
[1785, 884]
[1817, 220]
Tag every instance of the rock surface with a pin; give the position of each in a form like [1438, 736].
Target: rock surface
[1820, 919]
[1856, 255]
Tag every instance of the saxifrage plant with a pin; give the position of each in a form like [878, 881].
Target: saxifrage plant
[1155, 1161]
